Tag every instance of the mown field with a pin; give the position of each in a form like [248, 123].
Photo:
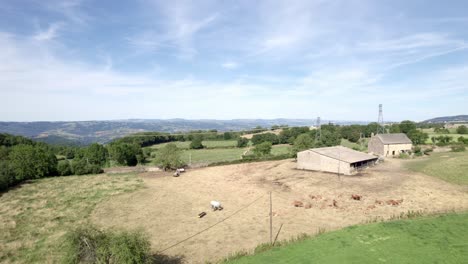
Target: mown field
[448, 166]
[439, 239]
[35, 216]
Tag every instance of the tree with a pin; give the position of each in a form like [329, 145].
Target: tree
[395, 128]
[418, 137]
[329, 138]
[7, 178]
[406, 126]
[262, 149]
[303, 142]
[227, 136]
[462, 129]
[168, 157]
[197, 142]
[96, 154]
[371, 128]
[32, 162]
[242, 142]
[260, 138]
[125, 153]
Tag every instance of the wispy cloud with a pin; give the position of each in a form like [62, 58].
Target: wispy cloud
[48, 34]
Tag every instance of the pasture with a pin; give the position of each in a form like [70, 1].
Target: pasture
[403, 241]
[35, 216]
[167, 208]
[217, 151]
[448, 166]
[453, 134]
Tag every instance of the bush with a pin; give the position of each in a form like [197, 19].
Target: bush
[168, 157]
[462, 130]
[262, 149]
[196, 142]
[403, 156]
[242, 142]
[458, 147]
[89, 245]
[6, 176]
[427, 151]
[82, 167]
[64, 168]
[417, 151]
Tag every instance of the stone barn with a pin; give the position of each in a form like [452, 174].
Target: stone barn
[336, 159]
[389, 144]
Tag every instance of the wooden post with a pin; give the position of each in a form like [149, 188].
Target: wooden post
[271, 221]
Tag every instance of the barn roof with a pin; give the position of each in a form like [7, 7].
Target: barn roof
[344, 154]
[397, 138]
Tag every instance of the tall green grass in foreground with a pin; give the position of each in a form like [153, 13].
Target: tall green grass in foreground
[436, 239]
[448, 166]
[35, 216]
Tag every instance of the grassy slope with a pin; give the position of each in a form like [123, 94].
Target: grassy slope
[349, 144]
[441, 239]
[35, 216]
[448, 166]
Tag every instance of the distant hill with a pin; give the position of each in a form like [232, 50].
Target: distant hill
[86, 132]
[448, 119]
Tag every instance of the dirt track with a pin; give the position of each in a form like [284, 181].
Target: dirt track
[167, 208]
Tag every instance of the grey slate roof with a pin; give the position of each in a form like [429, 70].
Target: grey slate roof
[344, 154]
[397, 138]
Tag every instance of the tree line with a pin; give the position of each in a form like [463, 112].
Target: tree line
[22, 159]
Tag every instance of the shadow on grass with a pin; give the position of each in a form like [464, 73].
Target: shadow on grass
[164, 259]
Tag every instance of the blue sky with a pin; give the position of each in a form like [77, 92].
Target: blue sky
[96, 60]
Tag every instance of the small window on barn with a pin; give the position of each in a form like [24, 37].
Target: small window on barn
[393, 153]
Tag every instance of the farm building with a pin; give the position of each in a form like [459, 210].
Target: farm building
[334, 159]
[389, 144]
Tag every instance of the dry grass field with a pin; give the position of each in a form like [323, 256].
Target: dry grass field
[167, 207]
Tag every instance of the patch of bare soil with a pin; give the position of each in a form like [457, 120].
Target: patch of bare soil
[303, 201]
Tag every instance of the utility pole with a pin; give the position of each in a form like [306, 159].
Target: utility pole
[271, 221]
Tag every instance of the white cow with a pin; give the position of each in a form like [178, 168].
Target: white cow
[215, 205]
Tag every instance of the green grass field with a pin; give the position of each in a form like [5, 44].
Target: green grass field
[35, 216]
[439, 239]
[453, 135]
[448, 166]
[217, 151]
[206, 143]
[212, 155]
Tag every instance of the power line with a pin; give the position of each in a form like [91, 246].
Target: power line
[196, 234]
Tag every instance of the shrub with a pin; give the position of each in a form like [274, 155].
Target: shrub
[242, 142]
[196, 142]
[82, 167]
[403, 156]
[462, 129]
[427, 151]
[458, 147]
[64, 168]
[417, 151]
[168, 157]
[6, 176]
[262, 149]
[89, 245]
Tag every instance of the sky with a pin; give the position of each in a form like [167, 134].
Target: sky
[66, 60]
